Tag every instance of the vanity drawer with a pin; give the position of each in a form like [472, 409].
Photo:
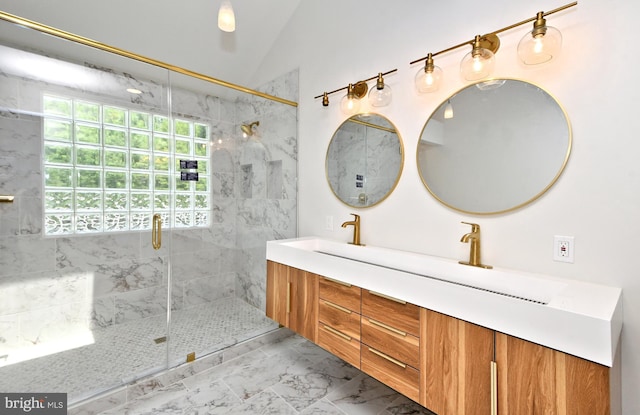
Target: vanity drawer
[339, 318]
[393, 342]
[392, 312]
[340, 344]
[340, 293]
[395, 374]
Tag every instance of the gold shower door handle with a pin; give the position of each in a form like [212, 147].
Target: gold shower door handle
[156, 233]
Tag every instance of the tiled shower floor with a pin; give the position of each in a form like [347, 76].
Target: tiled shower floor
[122, 353]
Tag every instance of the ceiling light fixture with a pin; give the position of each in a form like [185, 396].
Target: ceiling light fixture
[448, 110]
[226, 17]
[350, 103]
[538, 46]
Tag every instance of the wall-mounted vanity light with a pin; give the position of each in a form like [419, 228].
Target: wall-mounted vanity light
[379, 96]
[248, 130]
[539, 45]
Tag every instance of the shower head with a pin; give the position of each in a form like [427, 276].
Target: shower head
[247, 129]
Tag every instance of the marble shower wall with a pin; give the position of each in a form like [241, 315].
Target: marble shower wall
[266, 172]
[58, 288]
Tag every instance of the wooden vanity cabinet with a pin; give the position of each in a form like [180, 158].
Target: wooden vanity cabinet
[456, 365]
[339, 319]
[534, 379]
[450, 366]
[292, 298]
[391, 342]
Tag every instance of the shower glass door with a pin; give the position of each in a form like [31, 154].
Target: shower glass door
[85, 151]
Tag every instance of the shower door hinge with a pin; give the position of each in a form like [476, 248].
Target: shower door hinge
[191, 357]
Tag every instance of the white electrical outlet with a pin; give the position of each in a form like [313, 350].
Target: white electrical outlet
[563, 248]
[328, 223]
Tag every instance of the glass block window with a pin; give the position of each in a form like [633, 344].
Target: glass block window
[110, 169]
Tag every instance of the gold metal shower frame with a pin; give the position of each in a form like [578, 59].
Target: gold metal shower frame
[112, 49]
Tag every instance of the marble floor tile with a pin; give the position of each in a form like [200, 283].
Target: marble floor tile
[290, 375]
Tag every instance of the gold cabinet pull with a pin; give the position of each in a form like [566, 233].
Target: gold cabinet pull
[494, 388]
[337, 333]
[389, 328]
[337, 307]
[389, 358]
[156, 232]
[288, 297]
[6, 199]
[338, 282]
[387, 297]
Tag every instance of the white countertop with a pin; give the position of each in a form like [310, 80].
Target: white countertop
[574, 317]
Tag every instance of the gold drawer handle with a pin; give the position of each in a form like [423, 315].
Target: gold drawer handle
[494, 388]
[338, 282]
[387, 297]
[384, 326]
[337, 307]
[337, 333]
[389, 358]
[6, 199]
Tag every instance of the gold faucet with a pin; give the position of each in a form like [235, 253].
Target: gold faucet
[356, 229]
[473, 238]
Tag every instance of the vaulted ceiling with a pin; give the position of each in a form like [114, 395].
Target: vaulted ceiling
[184, 34]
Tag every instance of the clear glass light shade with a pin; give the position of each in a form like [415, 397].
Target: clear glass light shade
[535, 49]
[226, 17]
[477, 64]
[380, 97]
[349, 104]
[428, 81]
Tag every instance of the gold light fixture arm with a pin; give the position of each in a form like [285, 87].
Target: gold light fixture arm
[488, 38]
[358, 88]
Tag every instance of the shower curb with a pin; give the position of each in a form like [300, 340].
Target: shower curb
[150, 384]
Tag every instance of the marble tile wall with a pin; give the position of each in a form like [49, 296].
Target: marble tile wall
[52, 286]
[267, 198]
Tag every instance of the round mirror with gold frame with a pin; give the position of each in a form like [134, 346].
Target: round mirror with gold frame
[494, 146]
[364, 160]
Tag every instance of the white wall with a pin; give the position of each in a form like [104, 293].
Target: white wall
[335, 42]
[597, 199]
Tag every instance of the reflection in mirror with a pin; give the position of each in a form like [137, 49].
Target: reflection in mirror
[364, 160]
[500, 145]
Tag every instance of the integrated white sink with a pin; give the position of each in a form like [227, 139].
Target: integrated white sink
[517, 285]
[579, 318]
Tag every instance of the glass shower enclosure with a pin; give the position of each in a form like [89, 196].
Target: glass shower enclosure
[135, 213]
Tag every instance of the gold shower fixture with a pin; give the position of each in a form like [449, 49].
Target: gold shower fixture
[379, 96]
[247, 129]
[539, 45]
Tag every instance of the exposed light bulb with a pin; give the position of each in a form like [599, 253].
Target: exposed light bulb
[226, 17]
[477, 64]
[350, 104]
[538, 44]
[429, 78]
